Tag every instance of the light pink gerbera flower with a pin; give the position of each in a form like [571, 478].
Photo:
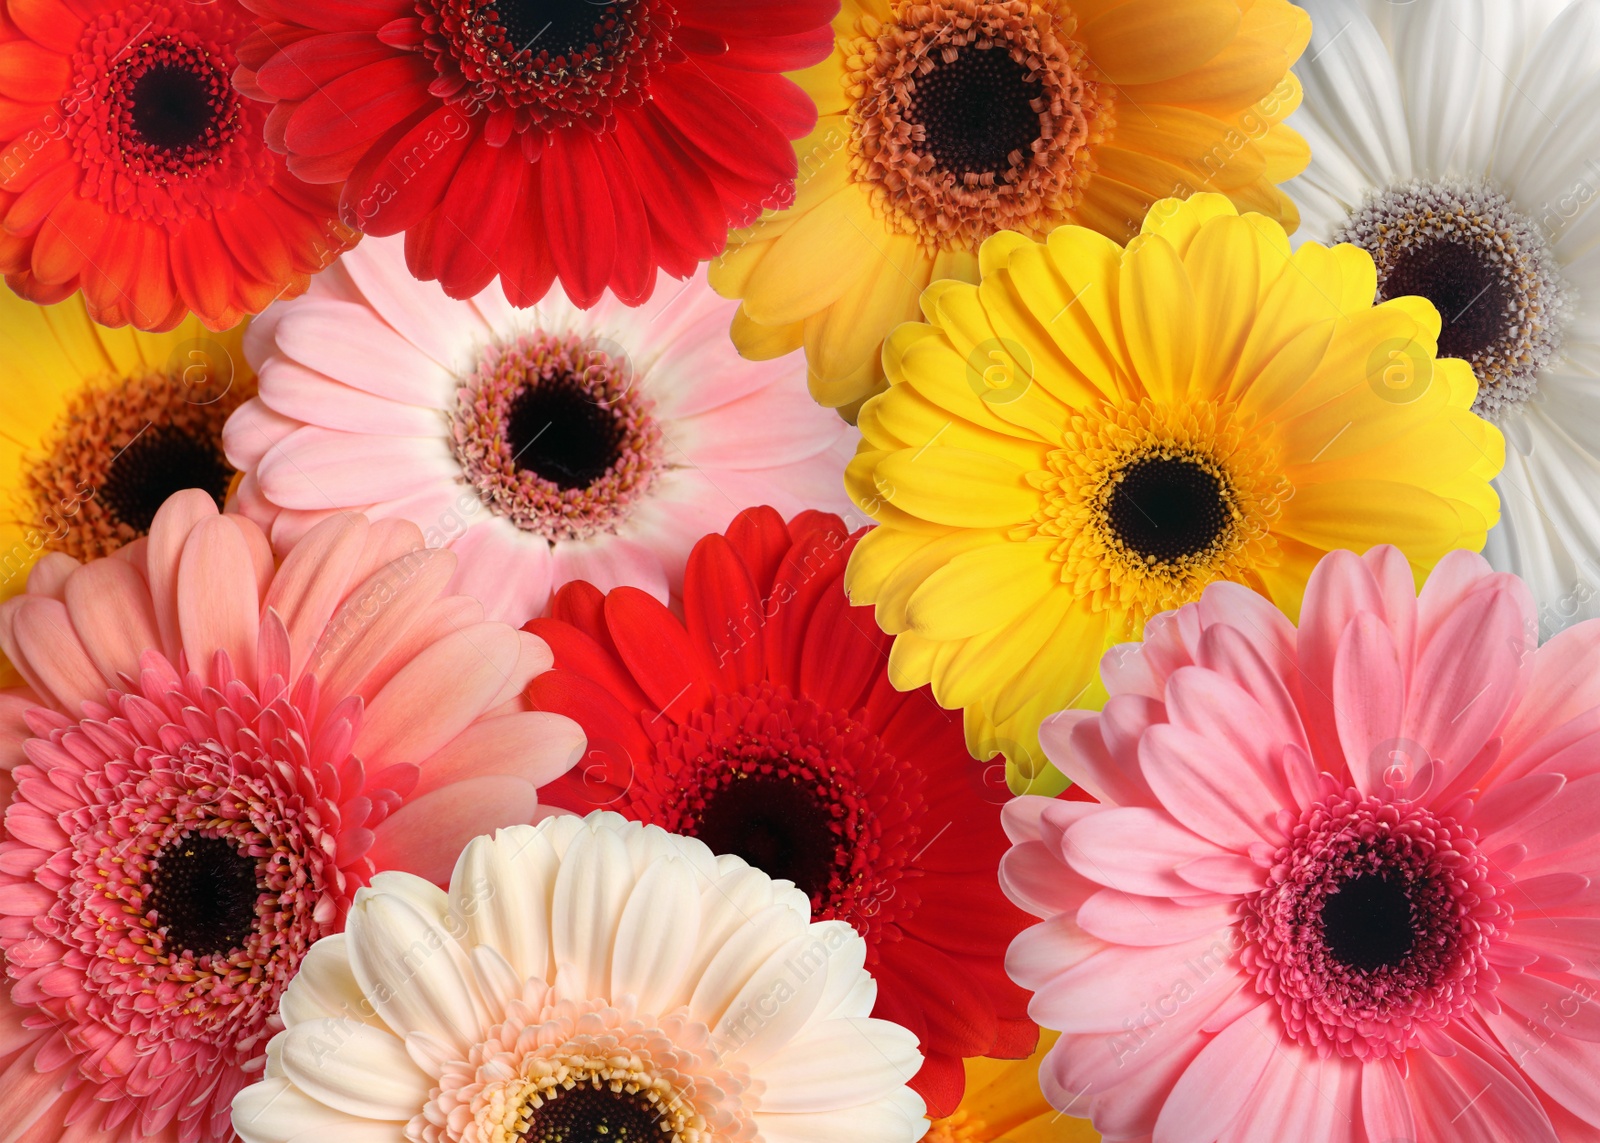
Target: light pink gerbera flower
[541, 445]
[1340, 890]
[209, 758]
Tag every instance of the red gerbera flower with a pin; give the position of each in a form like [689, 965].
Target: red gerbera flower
[766, 726]
[132, 169]
[592, 141]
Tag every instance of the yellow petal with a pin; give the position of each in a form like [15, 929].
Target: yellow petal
[958, 487]
[983, 589]
[1158, 320]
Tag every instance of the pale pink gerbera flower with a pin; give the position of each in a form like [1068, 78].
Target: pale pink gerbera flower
[1340, 889]
[541, 445]
[210, 757]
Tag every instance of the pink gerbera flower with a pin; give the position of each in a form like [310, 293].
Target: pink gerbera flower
[541, 445]
[1341, 887]
[209, 758]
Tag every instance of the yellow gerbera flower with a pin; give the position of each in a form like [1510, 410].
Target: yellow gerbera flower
[1003, 1104]
[1093, 434]
[941, 122]
[98, 426]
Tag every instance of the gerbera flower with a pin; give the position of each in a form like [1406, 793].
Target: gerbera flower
[101, 426]
[208, 759]
[595, 143]
[1003, 1104]
[766, 726]
[542, 446]
[1094, 434]
[131, 169]
[1482, 204]
[1341, 892]
[941, 122]
[585, 979]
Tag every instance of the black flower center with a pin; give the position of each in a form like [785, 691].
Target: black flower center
[1367, 923]
[776, 825]
[976, 110]
[154, 465]
[559, 27]
[203, 892]
[1166, 508]
[173, 107]
[1470, 292]
[585, 1114]
[558, 431]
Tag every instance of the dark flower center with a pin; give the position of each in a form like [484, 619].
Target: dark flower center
[1471, 293]
[172, 107]
[204, 892]
[559, 27]
[777, 825]
[1368, 923]
[558, 431]
[156, 464]
[587, 1114]
[976, 110]
[1166, 508]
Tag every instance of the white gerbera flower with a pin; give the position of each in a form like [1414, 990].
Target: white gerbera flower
[1456, 141]
[585, 979]
[540, 445]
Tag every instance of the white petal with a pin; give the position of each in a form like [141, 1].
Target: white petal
[274, 1111]
[590, 893]
[1352, 91]
[354, 1068]
[412, 968]
[325, 986]
[656, 935]
[500, 893]
[840, 1064]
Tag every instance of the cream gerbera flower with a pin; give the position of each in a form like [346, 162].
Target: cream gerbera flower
[585, 979]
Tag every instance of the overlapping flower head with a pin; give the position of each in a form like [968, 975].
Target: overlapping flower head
[1095, 433]
[542, 446]
[1339, 887]
[135, 172]
[1483, 205]
[764, 724]
[210, 756]
[942, 122]
[102, 426]
[589, 978]
[593, 143]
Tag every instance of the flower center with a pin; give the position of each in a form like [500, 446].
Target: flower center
[121, 448]
[555, 436]
[154, 118]
[203, 892]
[1149, 503]
[1168, 508]
[1376, 921]
[778, 825]
[547, 64]
[174, 108]
[973, 118]
[585, 1114]
[801, 793]
[1487, 269]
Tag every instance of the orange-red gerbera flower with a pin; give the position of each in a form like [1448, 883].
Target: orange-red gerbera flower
[131, 169]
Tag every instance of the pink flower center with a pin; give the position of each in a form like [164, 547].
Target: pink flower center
[554, 435]
[801, 793]
[1376, 921]
[547, 64]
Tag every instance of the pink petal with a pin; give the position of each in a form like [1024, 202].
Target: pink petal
[1127, 920]
[49, 575]
[1107, 749]
[506, 569]
[1507, 803]
[109, 604]
[1135, 850]
[1566, 820]
[1560, 1067]
[425, 836]
[1563, 684]
[1106, 991]
[437, 695]
[1385, 1107]
[535, 746]
[1037, 880]
[1219, 1084]
[1243, 659]
[1480, 1095]
[303, 394]
[312, 581]
[252, 431]
[1340, 588]
[316, 468]
[386, 621]
[609, 561]
[45, 648]
[776, 426]
[445, 329]
[218, 606]
[169, 533]
[349, 343]
[1453, 578]
[1368, 700]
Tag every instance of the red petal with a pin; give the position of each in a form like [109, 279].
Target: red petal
[471, 223]
[301, 69]
[526, 268]
[735, 17]
[577, 652]
[617, 746]
[405, 175]
[724, 611]
[686, 216]
[633, 276]
[334, 15]
[779, 53]
[580, 220]
[656, 648]
[361, 105]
